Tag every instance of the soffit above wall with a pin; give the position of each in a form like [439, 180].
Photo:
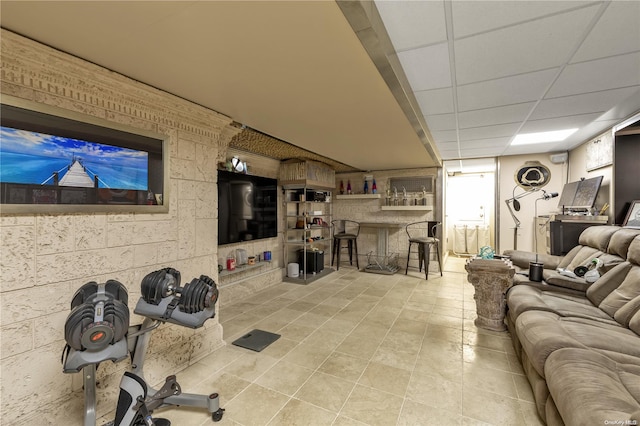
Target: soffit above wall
[250, 140]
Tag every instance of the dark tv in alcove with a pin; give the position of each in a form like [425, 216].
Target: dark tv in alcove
[247, 207]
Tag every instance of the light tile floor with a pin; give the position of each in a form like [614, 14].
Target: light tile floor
[363, 349]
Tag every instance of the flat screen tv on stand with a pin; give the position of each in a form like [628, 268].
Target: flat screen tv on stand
[247, 207]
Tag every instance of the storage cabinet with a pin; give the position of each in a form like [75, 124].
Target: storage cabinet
[307, 232]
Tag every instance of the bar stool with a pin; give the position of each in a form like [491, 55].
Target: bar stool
[345, 230]
[424, 235]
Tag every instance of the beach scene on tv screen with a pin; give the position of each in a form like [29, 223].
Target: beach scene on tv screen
[28, 157]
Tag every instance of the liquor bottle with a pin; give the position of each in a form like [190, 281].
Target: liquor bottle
[366, 187]
[348, 187]
[374, 188]
[341, 187]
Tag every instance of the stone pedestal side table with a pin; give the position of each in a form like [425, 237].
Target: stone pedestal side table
[491, 279]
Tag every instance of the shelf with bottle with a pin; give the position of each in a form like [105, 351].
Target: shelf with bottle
[242, 268]
[423, 208]
[357, 196]
[369, 189]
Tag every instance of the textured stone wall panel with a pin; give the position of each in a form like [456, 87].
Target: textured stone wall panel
[17, 338]
[90, 232]
[21, 381]
[17, 257]
[55, 234]
[46, 258]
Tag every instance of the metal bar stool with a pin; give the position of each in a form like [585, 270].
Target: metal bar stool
[345, 230]
[416, 232]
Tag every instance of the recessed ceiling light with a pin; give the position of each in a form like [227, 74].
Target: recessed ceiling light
[542, 137]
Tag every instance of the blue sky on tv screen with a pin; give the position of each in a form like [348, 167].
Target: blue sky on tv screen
[31, 158]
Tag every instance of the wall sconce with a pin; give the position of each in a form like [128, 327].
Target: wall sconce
[238, 166]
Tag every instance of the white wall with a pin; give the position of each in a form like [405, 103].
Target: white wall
[506, 184]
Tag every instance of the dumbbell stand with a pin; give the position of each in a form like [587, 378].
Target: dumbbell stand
[139, 351]
[89, 382]
[87, 362]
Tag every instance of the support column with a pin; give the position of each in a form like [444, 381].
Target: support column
[491, 279]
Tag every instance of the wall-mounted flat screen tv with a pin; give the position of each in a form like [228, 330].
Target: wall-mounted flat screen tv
[247, 207]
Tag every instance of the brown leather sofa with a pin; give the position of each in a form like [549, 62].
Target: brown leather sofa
[580, 350]
[609, 243]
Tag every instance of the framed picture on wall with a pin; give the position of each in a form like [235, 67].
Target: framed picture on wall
[58, 161]
[599, 152]
[633, 215]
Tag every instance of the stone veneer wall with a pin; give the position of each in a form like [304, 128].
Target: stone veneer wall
[46, 258]
[368, 210]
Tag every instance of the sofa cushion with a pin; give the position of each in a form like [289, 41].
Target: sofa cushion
[598, 236]
[633, 254]
[589, 388]
[628, 290]
[634, 322]
[557, 279]
[527, 298]
[579, 256]
[627, 312]
[621, 240]
[541, 333]
[607, 283]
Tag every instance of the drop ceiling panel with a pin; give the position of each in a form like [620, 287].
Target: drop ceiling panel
[413, 24]
[498, 115]
[489, 143]
[600, 74]
[496, 131]
[445, 135]
[501, 14]
[437, 101]
[505, 91]
[536, 45]
[427, 67]
[441, 122]
[579, 104]
[576, 121]
[617, 32]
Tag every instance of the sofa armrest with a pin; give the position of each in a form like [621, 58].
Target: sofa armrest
[522, 258]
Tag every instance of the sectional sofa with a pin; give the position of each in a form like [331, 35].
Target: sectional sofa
[579, 343]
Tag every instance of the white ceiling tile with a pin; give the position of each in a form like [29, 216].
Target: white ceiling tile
[550, 124]
[427, 67]
[449, 154]
[624, 108]
[444, 136]
[491, 116]
[580, 104]
[412, 24]
[600, 74]
[441, 122]
[437, 101]
[539, 148]
[448, 146]
[505, 91]
[481, 152]
[485, 143]
[617, 32]
[496, 131]
[532, 46]
[496, 14]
